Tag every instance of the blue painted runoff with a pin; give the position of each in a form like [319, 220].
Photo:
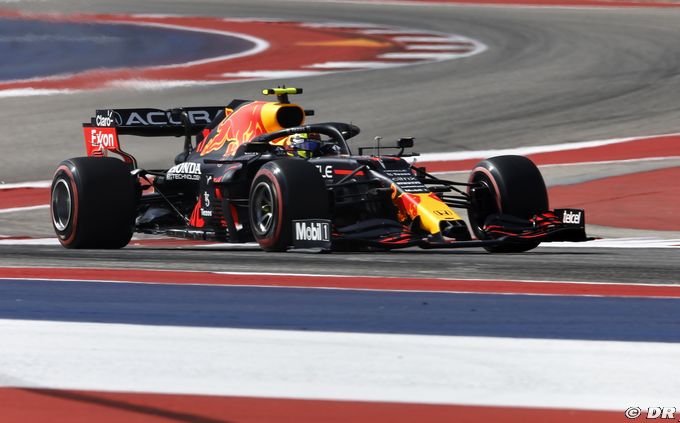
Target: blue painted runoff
[34, 48]
[515, 316]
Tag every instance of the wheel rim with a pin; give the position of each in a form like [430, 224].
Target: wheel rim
[61, 204]
[263, 208]
[477, 219]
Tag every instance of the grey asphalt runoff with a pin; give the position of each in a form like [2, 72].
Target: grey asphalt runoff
[549, 76]
[643, 266]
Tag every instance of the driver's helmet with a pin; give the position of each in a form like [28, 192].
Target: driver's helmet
[303, 145]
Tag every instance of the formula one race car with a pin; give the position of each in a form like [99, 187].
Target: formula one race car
[255, 171]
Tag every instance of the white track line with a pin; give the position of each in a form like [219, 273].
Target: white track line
[271, 74]
[478, 5]
[393, 31]
[258, 19]
[633, 242]
[24, 209]
[607, 162]
[355, 65]
[524, 151]
[33, 184]
[437, 47]
[424, 56]
[28, 92]
[155, 15]
[341, 366]
[158, 84]
[340, 25]
[30, 241]
[430, 39]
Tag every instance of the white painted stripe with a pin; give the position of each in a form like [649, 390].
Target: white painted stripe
[243, 245]
[24, 209]
[341, 366]
[33, 184]
[30, 241]
[423, 56]
[437, 47]
[291, 274]
[634, 242]
[567, 165]
[158, 84]
[356, 65]
[394, 31]
[54, 241]
[339, 25]
[417, 3]
[268, 74]
[464, 155]
[430, 39]
[155, 15]
[606, 162]
[255, 19]
[28, 92]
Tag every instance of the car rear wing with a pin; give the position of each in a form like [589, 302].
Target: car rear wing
[101, 133]
[155, 122]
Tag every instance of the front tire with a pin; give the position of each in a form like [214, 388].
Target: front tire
[516, 188]
[93, 203]
[283, 191]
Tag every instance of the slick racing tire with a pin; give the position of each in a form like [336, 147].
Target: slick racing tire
[516, 188]
[283, 191]
[93, 203]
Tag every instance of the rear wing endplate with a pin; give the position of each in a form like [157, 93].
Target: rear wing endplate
[101, 133]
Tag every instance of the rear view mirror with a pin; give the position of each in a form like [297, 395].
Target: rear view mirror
[406, 142]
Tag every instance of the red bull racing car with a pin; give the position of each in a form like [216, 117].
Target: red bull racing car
[256, 171]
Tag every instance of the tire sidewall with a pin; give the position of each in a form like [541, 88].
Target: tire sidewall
[68, 234]
[481, 174]
[103, 203]
[271, 238]
[517, 188]
[299, 192]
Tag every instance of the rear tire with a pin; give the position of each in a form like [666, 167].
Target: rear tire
[517, 188]
[283, 191]
[93, 203]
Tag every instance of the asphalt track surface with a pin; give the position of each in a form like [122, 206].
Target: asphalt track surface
[550, 75]
[659, 266]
